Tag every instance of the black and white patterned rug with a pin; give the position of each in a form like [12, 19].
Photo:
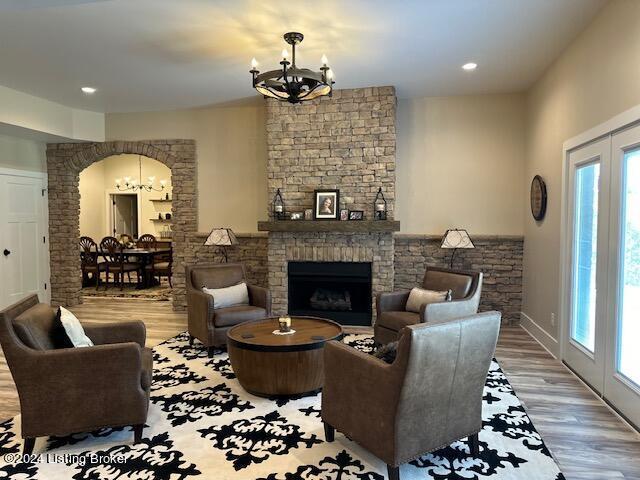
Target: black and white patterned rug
[202, 424]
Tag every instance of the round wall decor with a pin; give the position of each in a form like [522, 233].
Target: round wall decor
[538, 198]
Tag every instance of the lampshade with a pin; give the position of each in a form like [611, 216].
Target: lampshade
[221, 237]
[456, 238]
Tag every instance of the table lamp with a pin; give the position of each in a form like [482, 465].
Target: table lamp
[456, 238]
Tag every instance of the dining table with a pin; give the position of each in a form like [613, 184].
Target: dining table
[143, 256]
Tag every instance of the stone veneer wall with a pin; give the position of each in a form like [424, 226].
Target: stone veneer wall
[347, 141]
[65, 161]
[499, 258]
[376, 248]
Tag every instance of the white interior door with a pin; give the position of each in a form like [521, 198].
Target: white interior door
[22, 238]
[587, 234]
[124, 215]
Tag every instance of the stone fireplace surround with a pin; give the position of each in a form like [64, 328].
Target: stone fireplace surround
[345, 142]
[284, 247]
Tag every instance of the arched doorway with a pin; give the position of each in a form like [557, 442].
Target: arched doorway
[65, 161]
[127, 197]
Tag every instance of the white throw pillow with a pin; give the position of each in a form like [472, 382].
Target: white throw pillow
[229, 296]
[419, 297]
[74, 329]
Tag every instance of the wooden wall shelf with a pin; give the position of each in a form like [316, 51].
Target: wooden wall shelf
[332, 226]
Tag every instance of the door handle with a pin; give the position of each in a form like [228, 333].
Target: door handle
[6, 252]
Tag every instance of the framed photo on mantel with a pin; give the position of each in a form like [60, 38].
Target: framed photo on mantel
[356, 214]
[326, 204]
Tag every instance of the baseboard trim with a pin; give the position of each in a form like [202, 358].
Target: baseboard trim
[540, 335]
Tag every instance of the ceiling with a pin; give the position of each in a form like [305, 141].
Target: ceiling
[168, 54]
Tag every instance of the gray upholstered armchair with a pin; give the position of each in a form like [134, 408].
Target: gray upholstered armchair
[210, 325]
[65, 390]
[392, 316]
[429, 397]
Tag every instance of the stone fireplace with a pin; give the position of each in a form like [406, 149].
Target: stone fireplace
[346, 142]
[285, 247]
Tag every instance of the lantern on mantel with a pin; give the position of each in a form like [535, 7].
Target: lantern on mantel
[278, 206]
[380, 206]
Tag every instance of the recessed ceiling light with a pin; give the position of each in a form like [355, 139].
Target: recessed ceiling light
[88, 90]
[469, 66]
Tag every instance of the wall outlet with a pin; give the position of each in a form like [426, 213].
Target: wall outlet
[553, 319]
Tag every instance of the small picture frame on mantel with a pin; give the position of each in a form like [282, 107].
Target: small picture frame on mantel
[325, 204]
[356, 215]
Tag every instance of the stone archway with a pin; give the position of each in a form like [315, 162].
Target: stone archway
[65, 161]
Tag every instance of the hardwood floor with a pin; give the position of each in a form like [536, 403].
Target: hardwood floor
[587, 439]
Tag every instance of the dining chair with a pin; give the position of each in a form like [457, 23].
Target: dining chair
[161, 266]
[116, 262]
[89, 262]
[147, 241]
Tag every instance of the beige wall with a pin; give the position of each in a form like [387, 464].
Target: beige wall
[231, 149]
[597, 77]
[98, 180]
[22, 154]
[460, 164]
[92, 202]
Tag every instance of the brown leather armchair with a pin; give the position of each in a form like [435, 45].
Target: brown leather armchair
[429, 397]
[392, 316]
[65, 390]
[210, 325]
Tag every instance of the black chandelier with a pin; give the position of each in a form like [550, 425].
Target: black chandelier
[290, 83]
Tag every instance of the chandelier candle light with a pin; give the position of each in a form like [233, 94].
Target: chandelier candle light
[290, 83]
[131, 184]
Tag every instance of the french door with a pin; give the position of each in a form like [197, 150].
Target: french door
[589, 234]
[602, 335]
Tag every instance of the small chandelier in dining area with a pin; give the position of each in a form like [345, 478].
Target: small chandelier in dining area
[134, 185]
[291, 83]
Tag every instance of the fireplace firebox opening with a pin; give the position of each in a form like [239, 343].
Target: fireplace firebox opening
[340, 291]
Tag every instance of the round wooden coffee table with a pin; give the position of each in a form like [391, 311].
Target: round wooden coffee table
[280, 365]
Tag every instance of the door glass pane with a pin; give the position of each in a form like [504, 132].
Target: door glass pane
[585, 254]
[629, 294]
